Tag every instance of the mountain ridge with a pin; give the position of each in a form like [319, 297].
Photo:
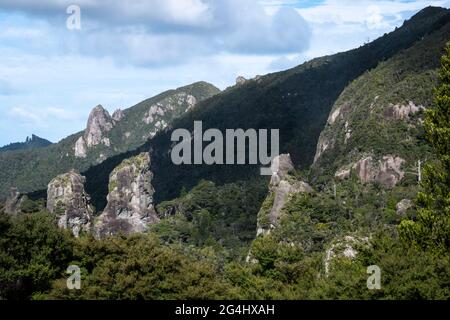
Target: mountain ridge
[30, 143]
[30, 171]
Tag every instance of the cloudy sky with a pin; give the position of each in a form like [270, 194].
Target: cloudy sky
[51, 76]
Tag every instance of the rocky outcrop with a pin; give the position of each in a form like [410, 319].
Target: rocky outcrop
[130, 199]
[342, 174]
[402, 112]
[80, 148]
[67, 199]
[282, 186]
[240, 80]
[118, 115]
[13, 202]
[333, 116]
[157, 112]
[99, 124]
[322, 146]
[403, 206]
[346, 247]
[365, 170]
[388, 172]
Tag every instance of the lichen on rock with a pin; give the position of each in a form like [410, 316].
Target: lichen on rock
[99, 124]
[130, 199]
[13, 202]
[67, 199]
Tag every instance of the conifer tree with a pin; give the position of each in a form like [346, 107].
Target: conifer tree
[431, 229]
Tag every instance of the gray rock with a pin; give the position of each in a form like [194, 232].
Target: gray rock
[80, 148]
[13, 202]
[67, 199]
[403, 206]
[118, 115]
[402, 112]
[388, 172]
[99, 124]
[158, 111]
[130, 199]
[240, 80]
[282, 186]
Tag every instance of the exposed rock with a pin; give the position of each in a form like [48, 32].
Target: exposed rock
[348, 132]
[365, 170]
[67, 199]
[334, 115]
[388, 172]
[13, 202]
[342, 174]
[80, 148]
[169, 104]
[240, 80]
[99, 124]
[321, 148]
[130, 199]
[402, 112]
[403, 206]
[118, 115]
[347, 247]
[282, 185]
[258, 78]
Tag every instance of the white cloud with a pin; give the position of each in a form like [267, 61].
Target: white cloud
[128, 51]
[340, 25]
[170, 31]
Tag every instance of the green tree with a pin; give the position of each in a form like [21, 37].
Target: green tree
[33, 252]
[432, 227]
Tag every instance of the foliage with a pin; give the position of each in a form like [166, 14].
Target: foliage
[33, 252]
[221, 216]
[30, 143]
[432, 227]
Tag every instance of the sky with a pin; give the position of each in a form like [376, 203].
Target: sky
[54, 67]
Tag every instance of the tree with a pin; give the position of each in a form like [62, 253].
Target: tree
[432, 226]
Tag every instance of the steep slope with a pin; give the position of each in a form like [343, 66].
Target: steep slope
[105, 136]
[30, 143]
[375, 127]
[296, 101]
[366, 172]
[293, 101]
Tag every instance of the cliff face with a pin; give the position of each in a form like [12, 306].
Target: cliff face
[13, 202]
[375, 127]
[99, 124]
[125, 130]
[130, 199]
[67, 199]
[282, 185]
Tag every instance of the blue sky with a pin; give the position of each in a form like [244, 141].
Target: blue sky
[127, 51]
